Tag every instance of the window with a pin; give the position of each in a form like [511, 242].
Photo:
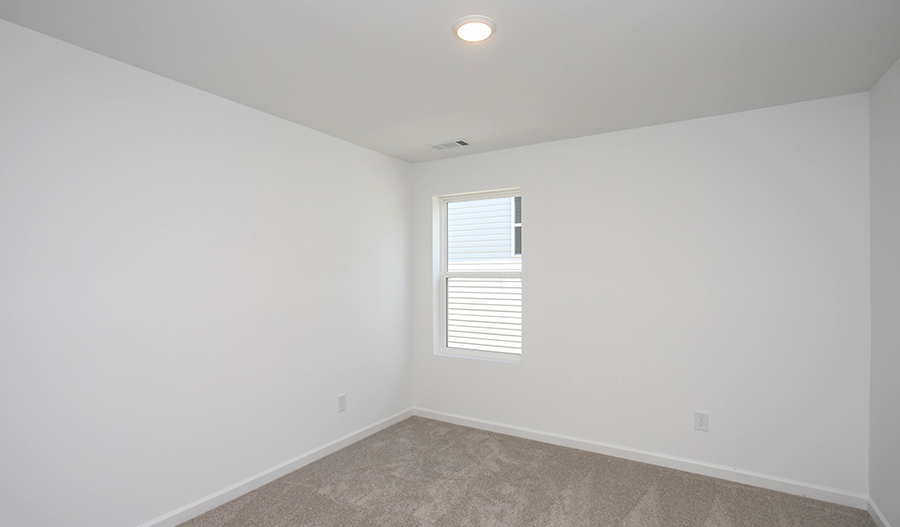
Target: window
[481, 275]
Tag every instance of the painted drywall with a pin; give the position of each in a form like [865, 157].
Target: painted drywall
[884, 455]
[186, 285]
[719, 264]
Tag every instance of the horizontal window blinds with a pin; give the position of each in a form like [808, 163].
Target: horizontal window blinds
[485, 314]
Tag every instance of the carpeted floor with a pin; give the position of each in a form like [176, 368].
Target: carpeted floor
[422, 472]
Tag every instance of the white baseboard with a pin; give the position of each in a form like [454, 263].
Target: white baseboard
[225, 495]
[876, 515]
[798, 488]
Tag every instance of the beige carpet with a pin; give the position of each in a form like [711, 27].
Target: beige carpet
[422, 472]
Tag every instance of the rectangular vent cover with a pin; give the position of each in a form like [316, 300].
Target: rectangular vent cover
[451, 144]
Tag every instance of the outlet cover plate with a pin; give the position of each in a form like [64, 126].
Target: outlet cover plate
[701, 421]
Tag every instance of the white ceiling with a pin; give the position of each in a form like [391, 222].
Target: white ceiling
[390, 75]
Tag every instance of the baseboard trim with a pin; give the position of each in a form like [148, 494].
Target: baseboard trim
[876, 515]
[798, 488]
[227, 494]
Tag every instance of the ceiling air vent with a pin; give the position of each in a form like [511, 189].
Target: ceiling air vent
[452, 144]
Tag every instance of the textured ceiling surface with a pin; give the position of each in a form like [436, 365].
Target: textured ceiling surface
[391, 76]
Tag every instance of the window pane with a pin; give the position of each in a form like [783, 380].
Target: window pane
[485, 314]
[518, 240]
[518, 209]
[480, 236]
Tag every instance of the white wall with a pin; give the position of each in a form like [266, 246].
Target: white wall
[884, 456]
[186, 285]
[720, 264]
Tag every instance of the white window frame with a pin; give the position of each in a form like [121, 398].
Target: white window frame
[442, 275]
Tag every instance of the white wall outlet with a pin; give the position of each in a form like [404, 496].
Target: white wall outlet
[701, 421]
[342, 402]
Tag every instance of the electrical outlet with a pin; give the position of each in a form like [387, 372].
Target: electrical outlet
[701, 421]
[342, 402]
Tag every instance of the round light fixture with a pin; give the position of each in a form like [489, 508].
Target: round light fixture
[473, 28]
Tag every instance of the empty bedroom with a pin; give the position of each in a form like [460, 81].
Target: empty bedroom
[409, 264]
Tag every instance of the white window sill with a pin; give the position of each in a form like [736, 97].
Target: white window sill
[509, 358]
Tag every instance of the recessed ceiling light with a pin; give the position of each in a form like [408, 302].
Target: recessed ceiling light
[473, 28]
